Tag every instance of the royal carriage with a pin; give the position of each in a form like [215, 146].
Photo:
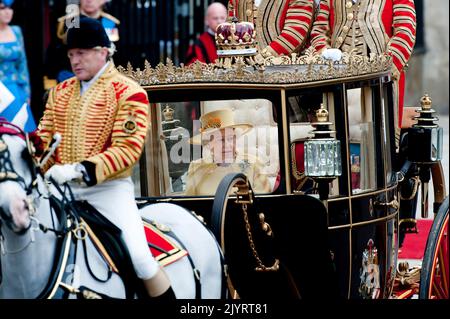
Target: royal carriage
[325, 133]
[329, 222]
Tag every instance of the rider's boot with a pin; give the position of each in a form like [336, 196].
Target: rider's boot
[159, 286]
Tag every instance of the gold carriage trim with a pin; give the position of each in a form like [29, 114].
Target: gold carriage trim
[308, 67]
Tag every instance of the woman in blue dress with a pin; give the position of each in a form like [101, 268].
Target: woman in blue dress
[14, 78]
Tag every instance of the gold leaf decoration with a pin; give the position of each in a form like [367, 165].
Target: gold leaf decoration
[308, 67]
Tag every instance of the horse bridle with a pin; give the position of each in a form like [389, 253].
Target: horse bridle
[7, 128]
[8, 173]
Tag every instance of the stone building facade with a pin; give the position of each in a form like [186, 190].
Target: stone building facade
[428, 70]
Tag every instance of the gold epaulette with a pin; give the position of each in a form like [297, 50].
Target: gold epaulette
[60, 33]
[60, 30]
[110, 17]
[67, 16]
[49, 83]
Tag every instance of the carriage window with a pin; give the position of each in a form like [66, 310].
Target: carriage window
[362, 140]
[302, 112]
[203, 141]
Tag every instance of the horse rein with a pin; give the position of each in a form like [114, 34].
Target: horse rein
[8, 173]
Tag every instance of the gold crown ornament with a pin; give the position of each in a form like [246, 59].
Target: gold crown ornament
[168, 113]
[236, 40]
[426, 102]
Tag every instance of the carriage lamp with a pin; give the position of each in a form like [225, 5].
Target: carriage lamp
[425, 146]
[323, 154]
[169, 123]
[425, 137]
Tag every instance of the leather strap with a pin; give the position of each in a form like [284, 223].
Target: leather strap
[245, 197]
[220, 201]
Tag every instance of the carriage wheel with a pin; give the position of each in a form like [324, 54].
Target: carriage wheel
[434, 279]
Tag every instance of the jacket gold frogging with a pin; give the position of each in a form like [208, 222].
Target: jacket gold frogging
[387, 26]
[106, 126]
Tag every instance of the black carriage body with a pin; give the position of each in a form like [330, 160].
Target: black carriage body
[356, 221]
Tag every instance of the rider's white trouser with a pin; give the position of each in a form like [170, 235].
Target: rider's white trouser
[115, 200]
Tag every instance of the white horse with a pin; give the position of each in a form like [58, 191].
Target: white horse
[28, 252]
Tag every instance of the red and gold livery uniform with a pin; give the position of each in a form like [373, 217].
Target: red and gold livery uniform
[104, 128]
[369, 26]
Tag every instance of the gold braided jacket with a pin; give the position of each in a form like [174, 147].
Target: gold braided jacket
[106, 126]
[386, 26]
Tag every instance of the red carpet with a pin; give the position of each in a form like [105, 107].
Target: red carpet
[414, 244]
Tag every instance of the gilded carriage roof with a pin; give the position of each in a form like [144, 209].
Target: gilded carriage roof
[309, 67]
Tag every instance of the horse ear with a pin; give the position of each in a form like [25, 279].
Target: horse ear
[37, 143]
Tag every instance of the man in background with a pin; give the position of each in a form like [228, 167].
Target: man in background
[204, 48]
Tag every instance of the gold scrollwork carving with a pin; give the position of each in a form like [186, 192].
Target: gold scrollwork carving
[307, 67]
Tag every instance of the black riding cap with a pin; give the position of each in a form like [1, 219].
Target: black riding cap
[88, 34]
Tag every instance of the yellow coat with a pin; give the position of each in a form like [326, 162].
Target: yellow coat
[204, 176]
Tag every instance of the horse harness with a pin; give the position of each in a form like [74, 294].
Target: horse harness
[70, 222]
[65, 234]
[73, 227]
[7, 173]
[195, 271]
[73, 230]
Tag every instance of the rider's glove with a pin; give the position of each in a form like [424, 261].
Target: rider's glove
[64, 173]
[332, 54]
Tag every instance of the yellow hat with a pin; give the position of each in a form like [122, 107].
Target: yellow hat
[218, 120]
